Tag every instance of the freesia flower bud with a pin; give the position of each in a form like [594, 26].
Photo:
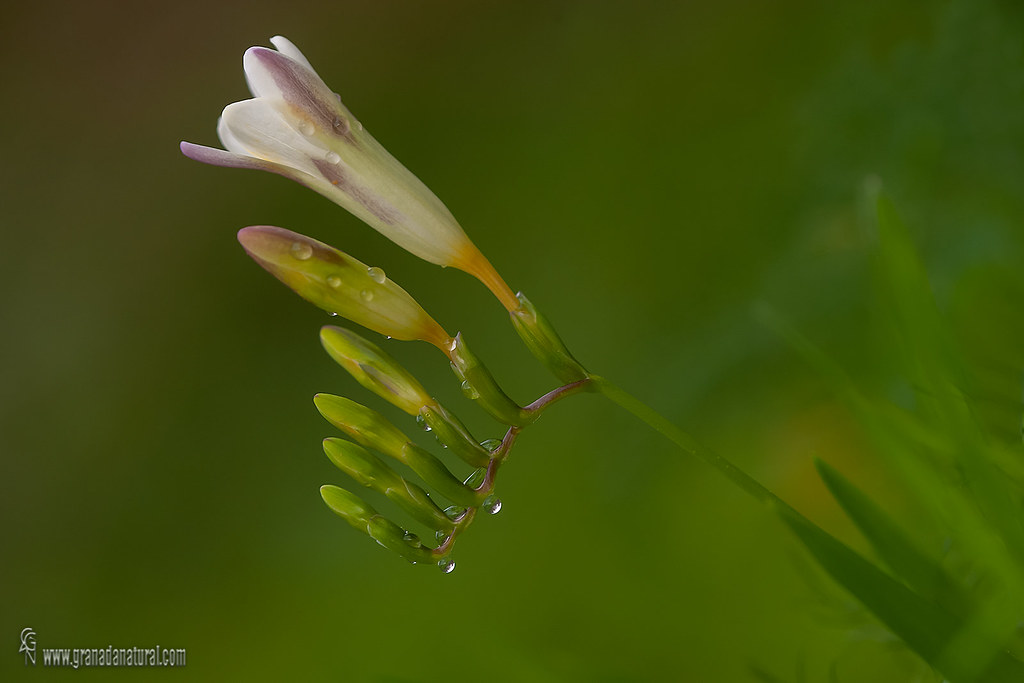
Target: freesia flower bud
[297, 127]
[374, 369]
[340, 284]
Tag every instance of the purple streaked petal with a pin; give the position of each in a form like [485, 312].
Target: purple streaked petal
[220, 157]
[277, 77]
[257, 128]
[288, 49]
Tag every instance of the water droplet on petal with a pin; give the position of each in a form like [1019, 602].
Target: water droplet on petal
[366, 295]
[446, 565]
[301, 250]
[359, 126]
[491, 444]
[333, 158]
[307, 128]
[340, 125]
[492, 504]
[333, 281]
[470, 391]
[376, 274]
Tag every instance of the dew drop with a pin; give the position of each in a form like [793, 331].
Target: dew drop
[470, 391]
[333, 158]
[454, 512]
[491, 444]
[446, 565]
[412, 539]
[477, 477]
[301, 250]
[340, 126]
[332, 314]
[338, 96]
[359, 126]
[333, 281]
[441, 535]
[492, 505]
[366, 295]
[422, 422]
[376, 274]
[307, 128]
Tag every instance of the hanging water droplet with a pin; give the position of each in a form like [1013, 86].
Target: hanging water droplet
[470, 391]
[446, 565]
[333, 281]
[366, 295]
[412, 539]
[421, 420]
[333, 158]
[301, 250]
[307, 128]
[492, 504]
[454, 512]
[477, 477]
[376, 274]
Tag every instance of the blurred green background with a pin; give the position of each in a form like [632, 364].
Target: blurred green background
[647, 172]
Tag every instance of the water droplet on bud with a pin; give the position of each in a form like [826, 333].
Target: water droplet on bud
[376, 274]
[491, 444]
[333, 281]
[366, 295]
[477, 477]
[422, 422]
[446, 565]
[333, 158]
[441, 536]
[301, 250]
[359, 125]
[412, 539]
[454, 512]
[332, 314]
[339, 124]
[470, 391]
[307, 128]
[492, 505]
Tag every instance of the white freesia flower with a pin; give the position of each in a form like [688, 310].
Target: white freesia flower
[297, 127]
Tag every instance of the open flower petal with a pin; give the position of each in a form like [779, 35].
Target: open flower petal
[296, 122]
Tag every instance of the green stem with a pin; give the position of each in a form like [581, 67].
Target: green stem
[689, 445]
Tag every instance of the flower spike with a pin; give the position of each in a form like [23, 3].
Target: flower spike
[297, 127]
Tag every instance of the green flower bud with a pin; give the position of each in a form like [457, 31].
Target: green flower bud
[544, 343]
[374, 369]
[372, 472]
[432, 471]
[450, 431]
[340, 284]
[364, 518]
[479, 384]
[363, 424]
